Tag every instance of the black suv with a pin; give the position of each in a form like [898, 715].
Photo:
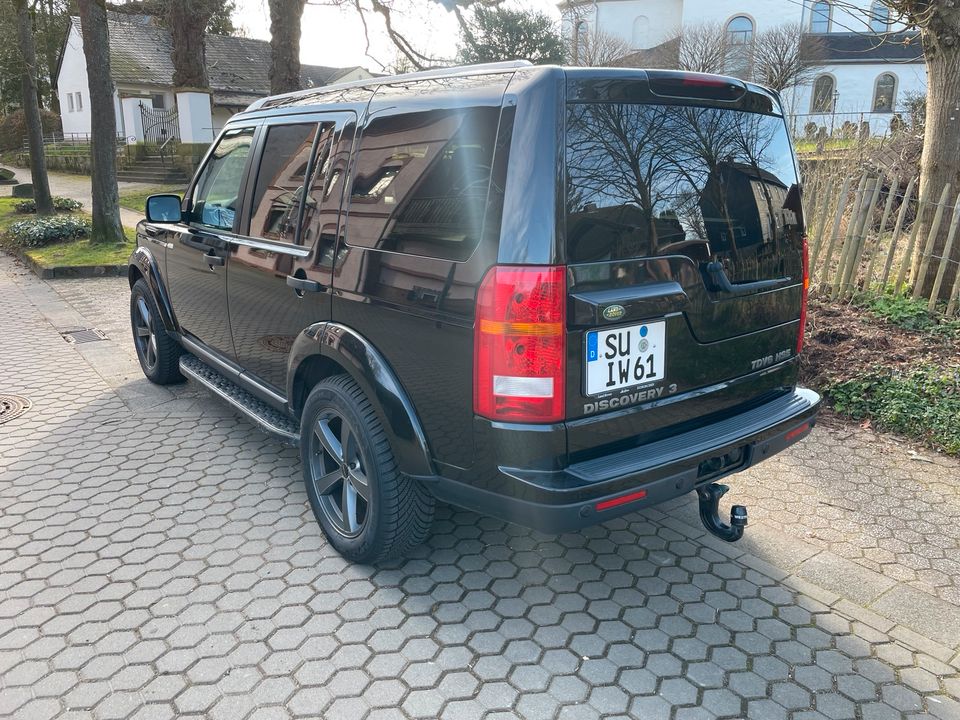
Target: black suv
[552, 295]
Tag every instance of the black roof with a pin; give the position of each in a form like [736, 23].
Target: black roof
[894, 47]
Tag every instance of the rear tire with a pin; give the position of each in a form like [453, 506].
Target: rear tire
[366, 507]
[159, 354]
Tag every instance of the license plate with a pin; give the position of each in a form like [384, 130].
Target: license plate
[625, 357]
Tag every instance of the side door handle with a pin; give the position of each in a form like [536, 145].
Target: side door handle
[210, 259]
[303, 284]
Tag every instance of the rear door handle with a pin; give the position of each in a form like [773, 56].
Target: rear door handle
[303, 284]
[722, 282]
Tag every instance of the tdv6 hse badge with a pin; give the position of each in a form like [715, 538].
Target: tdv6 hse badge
[769, 360]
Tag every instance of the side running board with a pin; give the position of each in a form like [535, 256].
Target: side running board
[265, 416]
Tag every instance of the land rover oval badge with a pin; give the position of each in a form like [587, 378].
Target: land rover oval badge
[613, 312]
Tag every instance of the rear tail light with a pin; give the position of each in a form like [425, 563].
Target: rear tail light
[518, 364]
[805, 292]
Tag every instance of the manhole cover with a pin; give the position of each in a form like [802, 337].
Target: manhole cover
[12, 406]
[83, 335]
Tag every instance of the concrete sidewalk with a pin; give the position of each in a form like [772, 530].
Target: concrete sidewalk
[77, 187]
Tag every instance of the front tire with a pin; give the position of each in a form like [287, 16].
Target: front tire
[368, 510]
[159, 354]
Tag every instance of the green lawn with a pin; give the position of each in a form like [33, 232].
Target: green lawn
[74, 253]
[137, 199]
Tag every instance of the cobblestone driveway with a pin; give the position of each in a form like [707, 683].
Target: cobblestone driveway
[158, 559]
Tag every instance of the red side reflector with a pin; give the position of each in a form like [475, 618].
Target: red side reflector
[622, 500]
[796, 432]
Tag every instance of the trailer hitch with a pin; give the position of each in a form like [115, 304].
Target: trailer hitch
[709, 497]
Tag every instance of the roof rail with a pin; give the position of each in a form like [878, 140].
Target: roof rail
[384, 79]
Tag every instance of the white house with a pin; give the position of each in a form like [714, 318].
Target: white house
[146, 103]
[870, 64]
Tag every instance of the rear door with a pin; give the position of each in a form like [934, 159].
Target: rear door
[282, 259]
[684, 243]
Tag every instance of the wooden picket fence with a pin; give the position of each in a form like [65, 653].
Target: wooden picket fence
[861, 241]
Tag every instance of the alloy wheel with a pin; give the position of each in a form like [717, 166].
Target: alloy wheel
[145, 334]
[338, 473]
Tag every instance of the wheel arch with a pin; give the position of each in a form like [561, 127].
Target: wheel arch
[327, 349]
[143, 265]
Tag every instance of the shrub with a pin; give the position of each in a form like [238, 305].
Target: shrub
[61, 204]
[923, 404]
[909, 314]
[13, 128]
[37, 232]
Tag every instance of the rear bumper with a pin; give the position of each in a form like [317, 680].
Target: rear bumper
[596, 490]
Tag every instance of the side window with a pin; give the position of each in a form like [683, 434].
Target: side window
[281, 179]
[421, 182]
[217, 191]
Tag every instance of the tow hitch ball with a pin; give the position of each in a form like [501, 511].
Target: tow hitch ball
[709, 496]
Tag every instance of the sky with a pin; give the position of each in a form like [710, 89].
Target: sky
[335, 37]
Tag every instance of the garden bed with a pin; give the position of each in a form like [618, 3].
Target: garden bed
[889, 365]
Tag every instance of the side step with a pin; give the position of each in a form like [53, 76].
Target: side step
[265, 416]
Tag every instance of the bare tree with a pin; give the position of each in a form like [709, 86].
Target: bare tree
[105, 205]
[31, 108]
[285, 19]
[939, 24]
[187, 21]
[598, 48]
[702, 47]
[784, 57]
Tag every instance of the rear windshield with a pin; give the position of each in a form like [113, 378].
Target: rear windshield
[648, 180]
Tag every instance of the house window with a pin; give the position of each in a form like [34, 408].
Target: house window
[159, 101]
[824, 95]
[879, 17]
[739, 54]
[79, 102]
[641, 29]
[820, 17]
[885, 93]
[70, 102]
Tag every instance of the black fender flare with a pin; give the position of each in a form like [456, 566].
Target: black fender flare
[379, 383]
[143, 262]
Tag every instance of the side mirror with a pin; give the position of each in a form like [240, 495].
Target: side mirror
[164, 208]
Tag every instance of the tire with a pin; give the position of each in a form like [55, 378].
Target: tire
[159, 354]
[366, 507]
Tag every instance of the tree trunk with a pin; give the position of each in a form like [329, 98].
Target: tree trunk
[187, 20]
[940, 161]
[31, 109]
[285, 16]
[103, 124]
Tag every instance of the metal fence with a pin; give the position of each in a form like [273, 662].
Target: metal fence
[864, 236]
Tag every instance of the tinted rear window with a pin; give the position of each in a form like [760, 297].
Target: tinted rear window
[648, 180]
[422, 181]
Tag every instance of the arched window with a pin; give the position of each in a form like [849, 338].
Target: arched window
[885, 93]
[824, 95]
[879, 17]
[739, 56]
[820, 17]
[641, 30]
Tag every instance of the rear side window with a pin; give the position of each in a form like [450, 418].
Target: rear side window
[281, 179]
[422, 180]
[217, 191]
[710, 183]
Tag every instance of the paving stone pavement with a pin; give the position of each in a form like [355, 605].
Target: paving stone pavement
[158, 559]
